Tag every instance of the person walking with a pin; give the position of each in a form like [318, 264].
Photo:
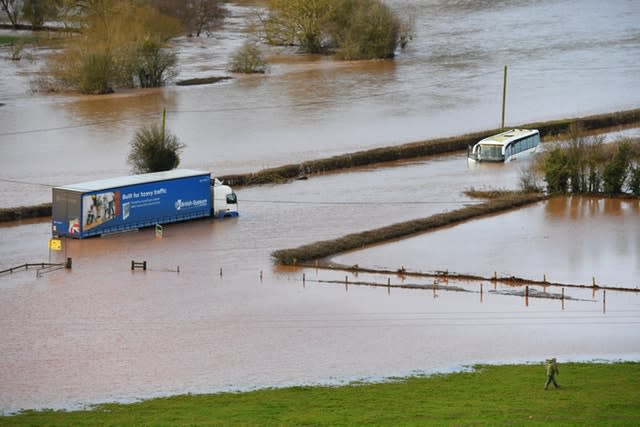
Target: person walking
[552, 371]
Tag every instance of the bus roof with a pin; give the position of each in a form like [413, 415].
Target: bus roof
[123, 181]
[506, 137]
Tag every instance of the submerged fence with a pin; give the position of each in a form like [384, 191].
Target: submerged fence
[41, 267]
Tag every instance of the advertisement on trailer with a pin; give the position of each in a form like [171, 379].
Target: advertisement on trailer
[145, 204]
[130, 202]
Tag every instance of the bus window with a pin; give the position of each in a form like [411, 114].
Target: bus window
[491, 152]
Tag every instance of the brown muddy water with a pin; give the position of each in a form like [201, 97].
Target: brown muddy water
[101, 332]
[447, 82]
[573, 240]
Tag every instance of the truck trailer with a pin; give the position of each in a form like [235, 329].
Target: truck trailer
[131, 202]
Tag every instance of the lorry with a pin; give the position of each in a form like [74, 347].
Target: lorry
[136, 201]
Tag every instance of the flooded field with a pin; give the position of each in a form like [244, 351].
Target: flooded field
[328, 206]
[447, 82]
[567, 240]
[230, 319]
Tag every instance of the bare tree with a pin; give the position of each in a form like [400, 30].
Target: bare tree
[155, 65]
[207, 14]
[196, 16]
[38, 11]
[248, 59]
[299, 23]
[353, 29]
[11, 9]
[120, 44]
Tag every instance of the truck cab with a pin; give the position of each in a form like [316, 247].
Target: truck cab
[224, 202]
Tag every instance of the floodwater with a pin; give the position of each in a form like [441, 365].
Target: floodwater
[565, 58]
[573, 240]
[231, 320]
[102, 332]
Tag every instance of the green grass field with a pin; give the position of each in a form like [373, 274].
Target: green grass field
[590, 395]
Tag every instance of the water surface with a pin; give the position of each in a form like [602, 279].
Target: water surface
[567, 240]
[101, 332]
[447, 82]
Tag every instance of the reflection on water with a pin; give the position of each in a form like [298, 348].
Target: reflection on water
[568, 240]
[110, 110]
[447, 82]
[230, 320]
[102, 332]
[578, 208]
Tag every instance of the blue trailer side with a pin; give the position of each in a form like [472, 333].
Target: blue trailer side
[126, 203]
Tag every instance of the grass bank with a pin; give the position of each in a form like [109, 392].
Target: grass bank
[589, 394]
[326, 248]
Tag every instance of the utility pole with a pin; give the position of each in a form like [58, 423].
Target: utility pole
[504, 94]
[164, 115]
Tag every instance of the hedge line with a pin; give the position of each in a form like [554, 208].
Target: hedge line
[378, 155]
[201, 81]
[421, 149]
[323, 249]
[22, 212]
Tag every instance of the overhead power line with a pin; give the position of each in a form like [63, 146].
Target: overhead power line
[14, 181]
[361, 202]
